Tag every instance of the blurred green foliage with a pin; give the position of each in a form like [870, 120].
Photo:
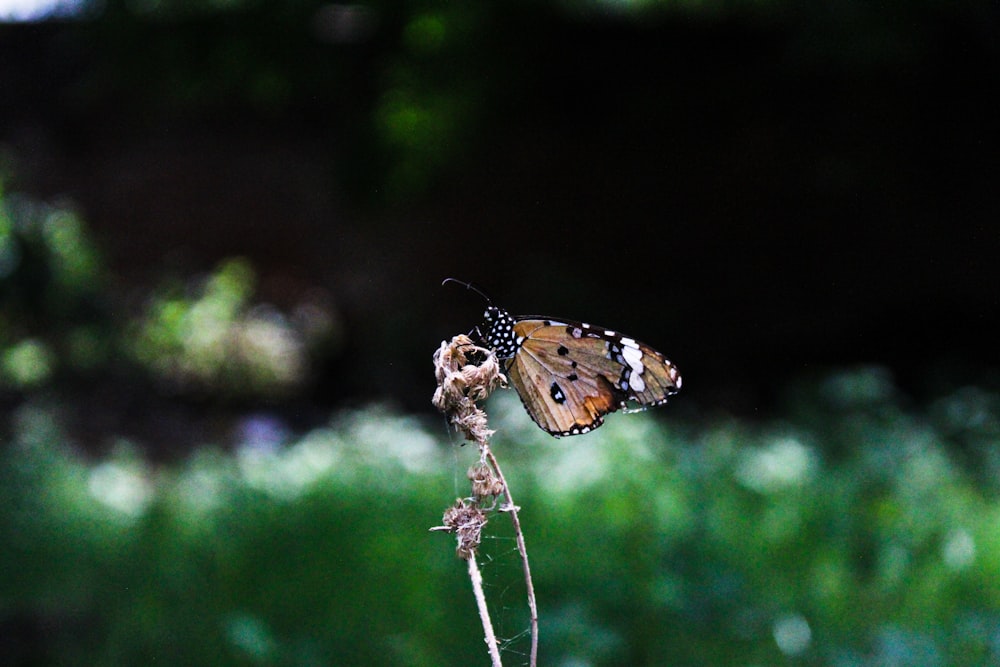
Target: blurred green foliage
[708, 541]
[51, 285]
[61, 315]
[214, 339]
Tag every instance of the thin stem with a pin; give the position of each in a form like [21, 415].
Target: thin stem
[477, 587]
[522, 549]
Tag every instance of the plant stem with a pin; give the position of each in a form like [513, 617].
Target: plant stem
[477, 587]
[523, 550]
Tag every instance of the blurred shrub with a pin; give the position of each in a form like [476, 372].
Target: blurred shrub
[51, 289]
[215, 339]
[60, 314]
[715, 542]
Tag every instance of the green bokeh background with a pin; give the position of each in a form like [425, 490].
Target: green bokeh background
[718, 542]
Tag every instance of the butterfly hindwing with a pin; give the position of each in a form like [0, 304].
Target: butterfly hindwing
[569, 374]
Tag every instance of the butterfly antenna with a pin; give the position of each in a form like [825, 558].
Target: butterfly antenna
[468, 286]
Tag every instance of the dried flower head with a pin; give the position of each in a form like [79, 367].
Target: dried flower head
[484, 481]
[466, 520]
[466, 373]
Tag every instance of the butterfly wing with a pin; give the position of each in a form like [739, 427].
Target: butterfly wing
[569, 375]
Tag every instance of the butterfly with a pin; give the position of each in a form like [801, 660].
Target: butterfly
[569, 374]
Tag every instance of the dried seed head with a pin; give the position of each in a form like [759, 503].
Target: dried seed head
[484, 482]
[466, 520]
[466, 373]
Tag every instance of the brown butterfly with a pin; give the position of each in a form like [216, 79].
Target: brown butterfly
[570, 374]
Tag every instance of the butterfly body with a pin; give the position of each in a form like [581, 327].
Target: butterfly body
[570, 374]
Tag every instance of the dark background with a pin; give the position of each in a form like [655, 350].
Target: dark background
[761, 191]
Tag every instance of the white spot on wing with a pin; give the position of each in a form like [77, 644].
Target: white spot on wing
[633, 357]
